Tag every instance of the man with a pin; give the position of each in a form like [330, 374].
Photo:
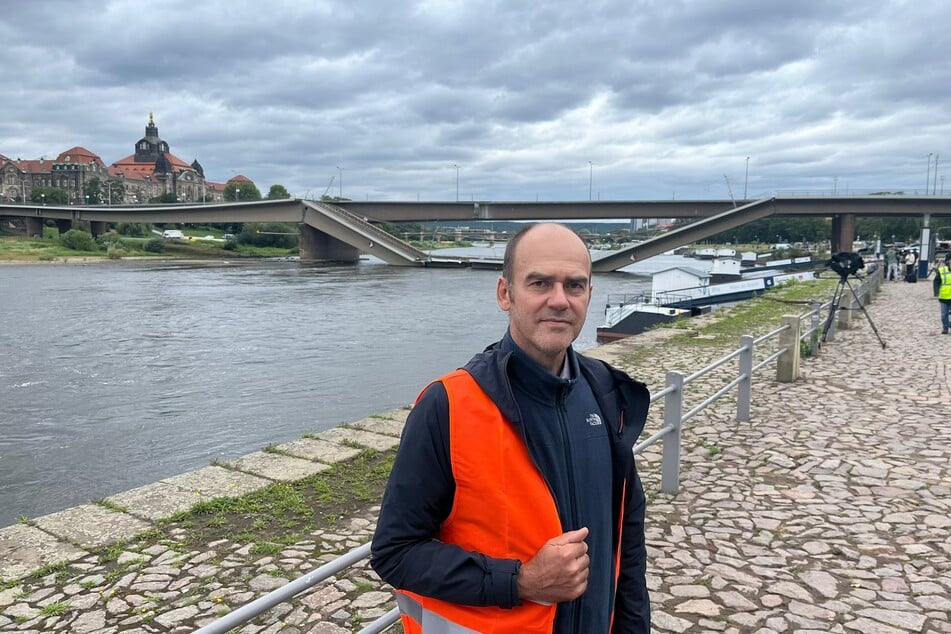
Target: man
[891, 260]
[911, 275]
[944, 293]
[514, 504]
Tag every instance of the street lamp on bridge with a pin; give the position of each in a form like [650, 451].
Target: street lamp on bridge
[746, 179]
[928, 173]
[457, 181]
[590, 177]
[109, 185]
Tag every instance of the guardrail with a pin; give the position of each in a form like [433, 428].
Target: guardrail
[790, 338]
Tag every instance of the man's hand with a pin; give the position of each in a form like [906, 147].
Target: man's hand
[558, 571]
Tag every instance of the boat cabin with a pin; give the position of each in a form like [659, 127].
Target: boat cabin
[678, 280]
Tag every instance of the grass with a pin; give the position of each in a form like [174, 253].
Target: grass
[755, 316]
[287, 512]
[270, 520]
[56, 608]
[23, 249]
[792, 298]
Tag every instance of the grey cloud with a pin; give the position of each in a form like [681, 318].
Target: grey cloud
[664, 97]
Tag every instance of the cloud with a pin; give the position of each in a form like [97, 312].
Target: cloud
[663, 98]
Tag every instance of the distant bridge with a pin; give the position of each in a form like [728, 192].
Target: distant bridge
[339, 232]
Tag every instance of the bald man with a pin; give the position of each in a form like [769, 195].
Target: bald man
[514, 504]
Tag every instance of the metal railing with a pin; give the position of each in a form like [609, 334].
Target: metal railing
[790, 336]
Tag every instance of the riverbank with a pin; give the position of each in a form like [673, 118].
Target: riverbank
[828, 512]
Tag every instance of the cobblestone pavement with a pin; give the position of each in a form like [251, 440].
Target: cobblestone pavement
[830, 511]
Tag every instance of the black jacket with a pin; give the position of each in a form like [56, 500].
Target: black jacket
[420, 492]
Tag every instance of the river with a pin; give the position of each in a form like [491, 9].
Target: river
[117, 374]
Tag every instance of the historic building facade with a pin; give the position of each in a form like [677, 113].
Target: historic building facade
[150, 172]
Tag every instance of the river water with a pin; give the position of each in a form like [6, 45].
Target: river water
[117, 374]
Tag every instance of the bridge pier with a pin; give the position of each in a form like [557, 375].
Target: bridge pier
[97, 227]
[63, 225]
[34, 226]
[843, 232]
[317, 246]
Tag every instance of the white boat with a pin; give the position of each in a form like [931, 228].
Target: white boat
[680, 292]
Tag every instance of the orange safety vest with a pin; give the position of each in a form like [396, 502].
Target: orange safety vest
[502, 508]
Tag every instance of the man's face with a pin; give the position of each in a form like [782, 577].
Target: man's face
[547, 299]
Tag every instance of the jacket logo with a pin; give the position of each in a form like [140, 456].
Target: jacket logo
[593, 419]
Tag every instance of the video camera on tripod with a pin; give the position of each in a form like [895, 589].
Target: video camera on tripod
[846, 263]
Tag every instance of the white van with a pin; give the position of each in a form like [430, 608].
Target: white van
[172, 234]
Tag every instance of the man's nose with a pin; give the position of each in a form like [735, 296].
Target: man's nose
[558, 296]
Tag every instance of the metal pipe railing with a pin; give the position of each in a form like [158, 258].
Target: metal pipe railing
[670, 434]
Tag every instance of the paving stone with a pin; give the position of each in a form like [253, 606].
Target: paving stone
[319, 450]
[155, 501]
[379, 425]
[24, 549]
[275, 466]
[91, 525]
[343, 436]
[212, 482]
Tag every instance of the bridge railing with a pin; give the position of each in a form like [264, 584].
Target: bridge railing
[786, 341]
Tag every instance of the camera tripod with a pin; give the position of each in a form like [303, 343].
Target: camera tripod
[834, 308]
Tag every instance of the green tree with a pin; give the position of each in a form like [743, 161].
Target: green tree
[164, 199]
[50, 195]
[278, 192]
[111, 192]
[245, 192]
[269, 234]
[78, 240]
[92, 191]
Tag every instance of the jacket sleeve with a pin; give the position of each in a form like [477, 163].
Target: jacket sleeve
[418, 498]
[632, 602]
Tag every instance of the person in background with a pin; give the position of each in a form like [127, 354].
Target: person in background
[514, 504]
[944, 293]
[910, 259]
[891, 262]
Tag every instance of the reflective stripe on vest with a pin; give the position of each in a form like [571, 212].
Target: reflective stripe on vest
[426, 620]
[502, 508]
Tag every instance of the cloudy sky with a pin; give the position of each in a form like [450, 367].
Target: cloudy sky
[559, 100]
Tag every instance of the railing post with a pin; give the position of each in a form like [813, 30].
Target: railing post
[744, 389]
[846, 306]
[787, 365]
[830, 336]
[673, 412]
[816, 328]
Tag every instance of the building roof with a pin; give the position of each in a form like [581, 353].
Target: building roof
[240, 178]
[686, 269]
[33, 165]
[130, 168]
[79, 154]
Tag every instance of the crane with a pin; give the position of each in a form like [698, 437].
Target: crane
[328, 186]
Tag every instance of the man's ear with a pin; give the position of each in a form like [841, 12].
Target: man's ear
[503, 294]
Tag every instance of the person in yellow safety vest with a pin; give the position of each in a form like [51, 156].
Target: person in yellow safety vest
[944, 294]
[514, 504]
